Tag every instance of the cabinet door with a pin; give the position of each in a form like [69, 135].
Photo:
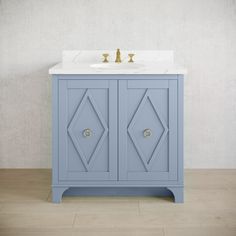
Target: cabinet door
[148, 130]
[87, 130]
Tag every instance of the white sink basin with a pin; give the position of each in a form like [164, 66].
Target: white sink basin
[117, 66]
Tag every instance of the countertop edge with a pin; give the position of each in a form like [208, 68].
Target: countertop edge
[58, 70]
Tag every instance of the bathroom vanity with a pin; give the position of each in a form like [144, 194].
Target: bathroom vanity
[117, 128]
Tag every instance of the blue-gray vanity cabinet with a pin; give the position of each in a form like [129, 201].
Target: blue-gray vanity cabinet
[117, 132]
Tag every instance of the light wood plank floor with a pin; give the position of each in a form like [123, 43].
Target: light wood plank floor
[26, 209]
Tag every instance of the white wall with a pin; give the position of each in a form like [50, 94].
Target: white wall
[33, 34]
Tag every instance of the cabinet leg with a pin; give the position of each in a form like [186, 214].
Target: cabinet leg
[57, 193]
[178, 193]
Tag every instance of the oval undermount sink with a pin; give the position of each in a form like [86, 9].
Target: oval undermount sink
[117, 66]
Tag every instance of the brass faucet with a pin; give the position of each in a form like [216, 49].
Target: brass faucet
[118, 56]
[118, 59]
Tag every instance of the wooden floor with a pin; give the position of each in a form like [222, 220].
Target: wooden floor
[209, 208]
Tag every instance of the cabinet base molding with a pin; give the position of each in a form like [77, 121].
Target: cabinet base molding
[57, 193]
[177, 192]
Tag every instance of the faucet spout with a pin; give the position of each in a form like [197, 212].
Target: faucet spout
[118, 58]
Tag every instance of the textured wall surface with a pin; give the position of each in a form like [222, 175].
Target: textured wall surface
[202, 33]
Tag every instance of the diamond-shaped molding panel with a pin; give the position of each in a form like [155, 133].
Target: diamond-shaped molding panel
[131, 130]
[72, 131]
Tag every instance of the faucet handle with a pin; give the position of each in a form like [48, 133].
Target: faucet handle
[131, 55]
[105, 55]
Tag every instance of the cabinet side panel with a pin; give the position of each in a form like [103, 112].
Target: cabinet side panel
[62, 131]
[54, 130]
[173, 142]
[180, 128]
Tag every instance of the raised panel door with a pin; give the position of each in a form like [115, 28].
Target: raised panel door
[87, 130]
[148, 130]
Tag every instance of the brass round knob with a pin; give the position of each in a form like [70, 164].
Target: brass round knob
[87, 133]
[147, 133]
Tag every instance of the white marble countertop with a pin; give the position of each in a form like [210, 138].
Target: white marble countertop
[90, 62]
